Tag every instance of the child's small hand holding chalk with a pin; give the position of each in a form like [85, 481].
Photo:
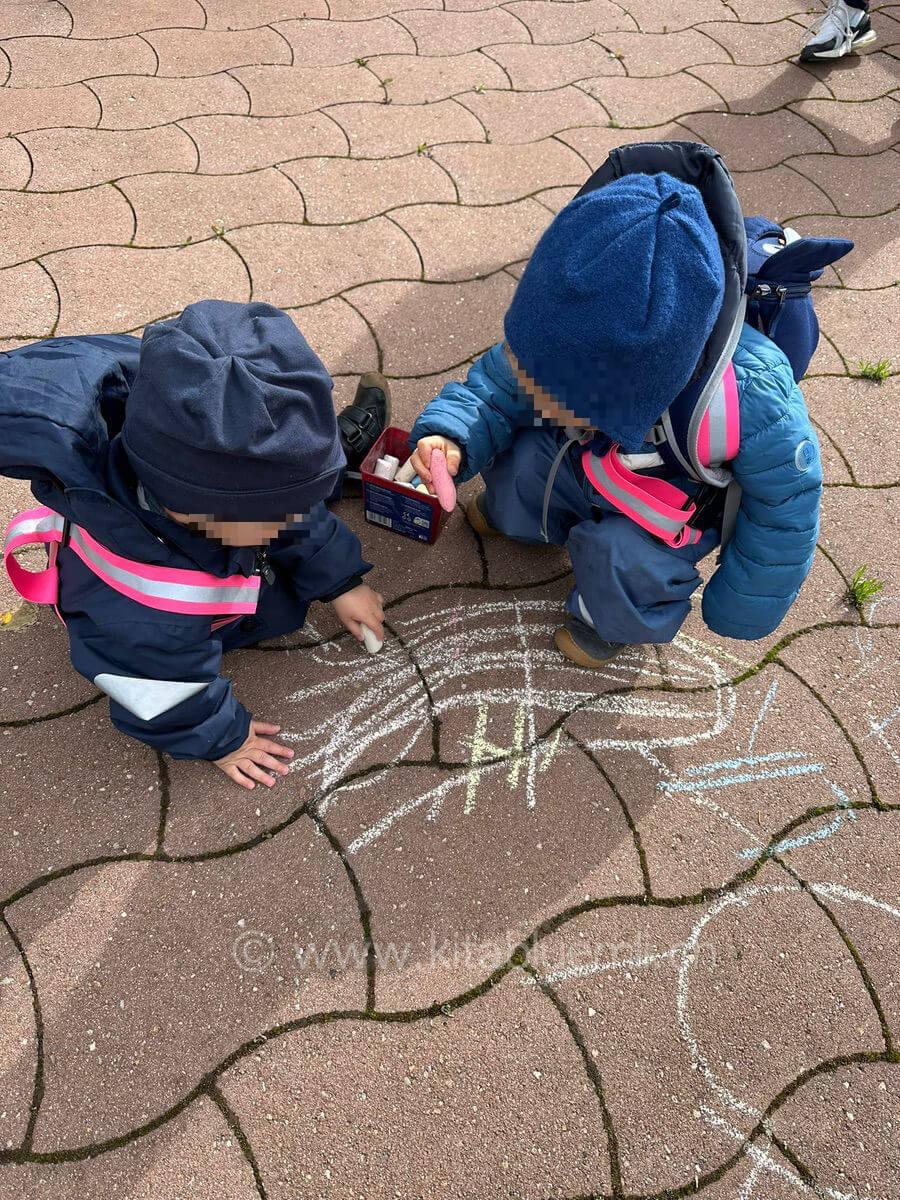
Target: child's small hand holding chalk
[421, 457]
[361, 612]
[440, 477]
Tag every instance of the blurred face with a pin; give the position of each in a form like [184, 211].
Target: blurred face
[549, 408]
[236, 533]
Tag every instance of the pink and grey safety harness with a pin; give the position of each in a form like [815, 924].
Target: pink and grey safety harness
[166, 589]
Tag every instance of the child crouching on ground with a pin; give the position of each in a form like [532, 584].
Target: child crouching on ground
[633, 296]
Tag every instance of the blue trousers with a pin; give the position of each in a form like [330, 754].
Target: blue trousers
[629, 585]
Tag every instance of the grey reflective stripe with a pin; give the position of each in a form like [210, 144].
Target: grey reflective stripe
[35, 525]
[634, 503]
[191, 593]
[712, 474]
[147, 698]
[585, 615]
[718, 443]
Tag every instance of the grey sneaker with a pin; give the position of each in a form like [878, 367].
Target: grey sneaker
[580, 644]
[840, 30]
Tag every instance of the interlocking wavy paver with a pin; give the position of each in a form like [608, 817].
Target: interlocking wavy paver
[299, 265]
[160, 982]
[203, 51]
[550, 22]
[861, 324]
[376, 130]
[459, 242]
[28, 302]
[878, 513]
[492, 174]
[401, 1107]
[360, 10]
[120, 17]
[137, 102]
[652, 54]
[196, 1152]
[346, 189]
[516, 117]
[237, 14]
[15, 164]
[328, 43]
[172, 209]
[429, 327]
[780, 192]
[18, 1043]
[873, 263]
[415, 80]
[339, 336]
[668, 16]
[32, 688]
[594, 142]
[229, 145]
[858, 186]
[540, 68]
[30, 225]
[857, 414]
[151, 284]
[103, 805]
[455, 33]
[44, 108]
[879, 78]
[67, 159]
[761, 89]
[50, 61]
[752, 143]
[853, 127]
[736, 1001]
[629, 102]
[278, 91]
[768, 10]
[29, 18]
[756, 44]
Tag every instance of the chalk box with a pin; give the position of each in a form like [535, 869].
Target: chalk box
[390, 504]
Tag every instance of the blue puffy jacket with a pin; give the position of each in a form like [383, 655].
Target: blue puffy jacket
[62, 403]
[778, 468]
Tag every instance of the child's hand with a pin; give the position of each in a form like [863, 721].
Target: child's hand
[246, 763]
[421, 457]
[361, 606]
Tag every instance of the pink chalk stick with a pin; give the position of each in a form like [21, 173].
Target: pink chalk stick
[443, 484]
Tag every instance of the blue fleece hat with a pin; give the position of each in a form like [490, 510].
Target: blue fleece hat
[230, 414]
[614, 308]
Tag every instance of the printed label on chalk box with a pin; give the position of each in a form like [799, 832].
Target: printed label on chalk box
[402, 514]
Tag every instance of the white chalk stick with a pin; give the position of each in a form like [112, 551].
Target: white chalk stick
[392, 459]
[422, 488]
[406, 472]
[371, 642]
[385, 469]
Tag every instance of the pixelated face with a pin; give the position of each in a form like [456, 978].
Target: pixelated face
[551, 410]
[238, 533]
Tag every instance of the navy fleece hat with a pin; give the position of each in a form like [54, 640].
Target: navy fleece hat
[613, 310]
[230, 414]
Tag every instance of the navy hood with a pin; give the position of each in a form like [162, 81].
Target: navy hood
[230, 414]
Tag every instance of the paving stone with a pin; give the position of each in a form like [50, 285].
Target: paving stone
[415, 80]
[105, 803]
[680, 1061]
[629, 102]
[134, 102]
[770, 10]
[347, 189]
[752, 143]
[402, 1106]
[780, 193]
[455, 33]
[195, 1153]
[18, 1043]
[33, 224]
[459, 242]
[492, 174]
[756, 43]
[236, 14]
[120, 18]
[858, 186]
[327, 43]
[28, 302]
[294, 265]
[38, 680]
[594, 142]
[382, 130]
[151, 284]
[874, 260]
[857, 414]
[201, 956]
[834, 466]
[667, 16]
[532, 116]
[540, 68]
[30, 18]
[201, 52]
[654, 54]
[549, 23]
[229, 145]
[359, 10]
[425, 328]
[65, 159]
[760, 89]
[43, 108]
[49, 61]
[864, 127]
[846, 511]
[15, 497]
[15, 164]
[279, 91]
[861, 324]
[339, 336]
[172, 209]
[513, 564]
[857, 78]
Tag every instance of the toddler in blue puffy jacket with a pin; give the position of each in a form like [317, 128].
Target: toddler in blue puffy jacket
[633, 296]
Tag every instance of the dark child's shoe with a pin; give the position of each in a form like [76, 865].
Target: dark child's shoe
[582, 645]
[362, 423]
[477, 519]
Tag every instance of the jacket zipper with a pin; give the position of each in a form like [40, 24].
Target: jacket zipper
[264, 567]
[783, 292]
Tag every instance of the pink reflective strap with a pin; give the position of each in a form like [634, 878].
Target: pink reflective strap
[37, 526]
[719, 435]
[657, 506]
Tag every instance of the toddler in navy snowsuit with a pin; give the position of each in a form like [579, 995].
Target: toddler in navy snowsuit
[633, 297]
[184, 478]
